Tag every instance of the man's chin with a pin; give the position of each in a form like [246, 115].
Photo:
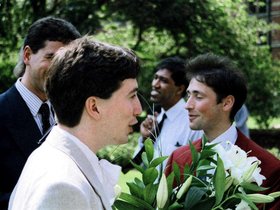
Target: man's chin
[154, 100]
[194, 127]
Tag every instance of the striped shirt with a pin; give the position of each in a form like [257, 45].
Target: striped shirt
[34, 103]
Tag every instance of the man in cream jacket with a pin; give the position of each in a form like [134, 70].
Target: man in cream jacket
[93, 89]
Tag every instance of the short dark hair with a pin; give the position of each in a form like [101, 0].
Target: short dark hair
[45, 29]
[221, 75]
[49, 29]
[86, 68]
[177, 67]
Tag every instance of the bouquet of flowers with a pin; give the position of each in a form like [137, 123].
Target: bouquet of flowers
[216, 179]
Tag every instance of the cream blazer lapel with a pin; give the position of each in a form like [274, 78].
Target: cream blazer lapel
[66, 145]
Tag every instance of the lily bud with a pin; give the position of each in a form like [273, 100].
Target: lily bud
[275, 194]
[184, 187]
[260, 198]
[162, 193]
[248, 174]
[118, 191]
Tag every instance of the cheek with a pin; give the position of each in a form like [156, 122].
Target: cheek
[203, 107]
[44, 65]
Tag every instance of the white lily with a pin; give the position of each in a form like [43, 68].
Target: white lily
[162, 192]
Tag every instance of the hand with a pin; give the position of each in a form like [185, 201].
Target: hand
[147, 127]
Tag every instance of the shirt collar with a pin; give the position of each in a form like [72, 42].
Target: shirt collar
[33, 102]
[229, 135]
[172, 112]
[107, 173]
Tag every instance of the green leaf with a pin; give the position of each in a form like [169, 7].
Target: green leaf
[170, 182]
[150, 193]
[149, 149]
[175, 206]
[137, 167]
[209, 146]
[193, 197]
[195, 157]
[177, 172]
[135, 201]
[207, 153]
[123, 205]
[135, 190]
[205, 204]
[219, 181]
[158, 161]
[139, 182]
[145, 159]
[252, 187]
[205, 168]
[186, 169]
[204, 141]
[150, 175]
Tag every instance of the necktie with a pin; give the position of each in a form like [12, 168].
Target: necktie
[137, 159]
[45, 113]
[158, 127]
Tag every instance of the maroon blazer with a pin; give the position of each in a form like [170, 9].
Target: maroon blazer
[270, 165]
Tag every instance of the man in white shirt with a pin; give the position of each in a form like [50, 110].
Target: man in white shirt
[168, 91]
[93, 89]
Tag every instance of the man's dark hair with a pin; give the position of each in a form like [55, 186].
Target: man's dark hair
[45, 29]
[86, 68]
[49, 29]
[177, 67]
[221, 75]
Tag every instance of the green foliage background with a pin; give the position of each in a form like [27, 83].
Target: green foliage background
[155, 29]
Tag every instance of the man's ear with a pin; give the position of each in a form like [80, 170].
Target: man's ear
[181, 89]
[91, 107]
[228, 102]
[26, 54]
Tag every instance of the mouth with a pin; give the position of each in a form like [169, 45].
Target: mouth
[192, 117]
[154, 93]
[131, 125]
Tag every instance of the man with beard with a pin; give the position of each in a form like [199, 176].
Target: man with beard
[168, 91]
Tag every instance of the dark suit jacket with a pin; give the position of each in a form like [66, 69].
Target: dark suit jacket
[19, 135]
[270, 165]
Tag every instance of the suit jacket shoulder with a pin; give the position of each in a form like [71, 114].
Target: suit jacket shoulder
[19, 137]
[61, 175]
[18, 121]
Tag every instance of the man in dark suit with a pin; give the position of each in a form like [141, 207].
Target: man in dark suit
[22, 120]
[215, 93]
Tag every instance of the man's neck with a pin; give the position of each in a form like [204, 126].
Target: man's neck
[214, 133]
[169, 105]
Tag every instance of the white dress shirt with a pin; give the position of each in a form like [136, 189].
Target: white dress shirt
[230, 135]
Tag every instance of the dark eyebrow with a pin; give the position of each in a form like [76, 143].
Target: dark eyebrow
[194, 92]
[161, 77]
[133, 90]
[49, 55]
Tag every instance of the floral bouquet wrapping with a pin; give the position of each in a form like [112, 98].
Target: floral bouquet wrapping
[216, 179]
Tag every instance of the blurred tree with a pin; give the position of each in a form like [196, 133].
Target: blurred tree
[159, 28]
